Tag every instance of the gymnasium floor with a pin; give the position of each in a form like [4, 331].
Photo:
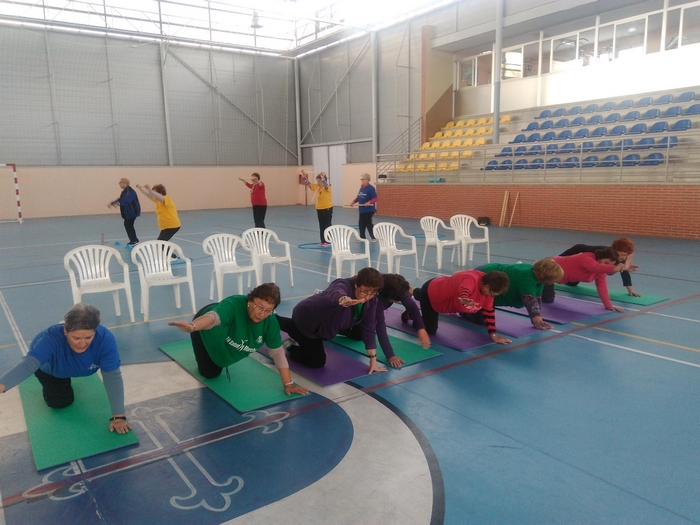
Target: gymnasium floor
[595, 422]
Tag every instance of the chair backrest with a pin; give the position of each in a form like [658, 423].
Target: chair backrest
[631, 159]
[450, 124]
[506, 165]
[569, 147]
[532, 126]
[550, 135]
[480, 141]
[90, 262]
[222, 247]
[646, 142]
[565, 135]
[595, 120]
[553, 162]
[644, 101]
[682, 125]
[574, 110]
[590, 108]
[534, 137]
[491, 165]
[154, 257]
[693, 110]
[470, 122]
[536, 163]
[581, 133]
[518, 138]
[462, 224]
[571, 162]
[611, 160]
[624, 144]
[520, 150]
[552, 148]
[562, 123]
[460, 123]
[547, 124]
[578, 121]
[654, 158]
[638, 128]
[625, 104]
[664, 99]
[430, 226]
[340, 236]
[559, 112]
[481, 121]
[546, 113]
[587, 146]
[658, 127]
[618, 130]
[632, 115]
[385, 233]
[257, 240]
[668, 141]
[600, 132]
[613, 117]
[535, 150]
[608, 106]
[520, 164]
[686, 96]
[651, 113]
[673, 111]
[590, 161]
[505, 152]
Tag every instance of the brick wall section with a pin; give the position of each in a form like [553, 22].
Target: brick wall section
[654, 210]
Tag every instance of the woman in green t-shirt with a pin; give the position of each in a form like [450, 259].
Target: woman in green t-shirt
[226, 332]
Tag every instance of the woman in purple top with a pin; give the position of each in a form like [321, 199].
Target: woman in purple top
[344, 304]
[395, 290]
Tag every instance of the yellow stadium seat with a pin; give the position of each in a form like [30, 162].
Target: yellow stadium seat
[470, 122]
[426, 145]
[454, 154]
[458, 133]
[453, 166]
[466, 153]
[504, 119]
[445, 144]
[429, 166]
[412, 156]
[442, 166]
[480, 131]
[420, 166]
[468, 132]
[480, 141]
[481, 121]
[422, 156]
[448, 134]
[460, 124]
[489, 131]
[456, 144]
[438, 135]
[444, 154]
[432, 155]
[489, 121]
[468, 142]
[435, 145]
[450, 124]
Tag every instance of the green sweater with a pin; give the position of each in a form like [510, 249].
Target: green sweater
[522, 282]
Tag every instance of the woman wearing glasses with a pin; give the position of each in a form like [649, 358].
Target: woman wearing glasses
[226, 332]
[344, 304]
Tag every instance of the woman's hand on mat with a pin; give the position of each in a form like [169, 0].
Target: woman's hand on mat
[540, 323]
[500, 340]
[631, 292]
[374, 366]
[616, 309]
[185, 326]
[396, 362]
[120, 426]
[295, 389]
[423, 338]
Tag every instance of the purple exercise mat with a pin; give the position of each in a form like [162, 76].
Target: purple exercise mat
[512, 325]
[338, 369]
[448, 334]
[564, 310]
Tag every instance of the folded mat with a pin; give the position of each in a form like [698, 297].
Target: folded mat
[564, 310]
[61, 435]
[252, 384]
[615, 295]
[406, 350]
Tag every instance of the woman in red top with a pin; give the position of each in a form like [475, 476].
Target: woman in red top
[468, 291]
[257, 199]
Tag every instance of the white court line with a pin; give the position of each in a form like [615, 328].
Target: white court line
[675, 317]
[628, 349]
[15, 329]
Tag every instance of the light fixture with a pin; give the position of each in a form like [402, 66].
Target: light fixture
[255, 22]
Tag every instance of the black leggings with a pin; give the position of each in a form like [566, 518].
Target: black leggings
[130, 230]
[259, 212]
[325, 219]
[430, 316]
[205, 365]
[167, 234]
[58, 392]
[310, 351]
[366, 223]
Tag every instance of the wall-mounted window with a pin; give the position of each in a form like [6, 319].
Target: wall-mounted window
[629, 38]
[605, 43]
[531, 59]
[654, 25]
[483, 69]
[564, 53]
[691, 26]
[467, 73]
[512, 64]
[546, 56]
[673, 24]
[586, 47]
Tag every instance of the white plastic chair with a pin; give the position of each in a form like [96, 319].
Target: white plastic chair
[462, 225]
[257, 241]
[91, 263]
[431, 228]
[154, 263]
[222, 248]
[340, 237]
[385, 233]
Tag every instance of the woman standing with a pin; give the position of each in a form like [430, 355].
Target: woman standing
[323, 199]
[257, 199]
[166, 213]
[130, 209]
[366, 200]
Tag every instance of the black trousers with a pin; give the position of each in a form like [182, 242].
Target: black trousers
[259, 215]
[310, 351]
[366, 223]
[167, 234]
[325, 219]
[430, 316]
[58, 392]
[548, 293]
[205, 365]
[130, 230]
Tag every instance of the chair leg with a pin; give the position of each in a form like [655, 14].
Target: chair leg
[330, 267]
[488, 252]
[291, 274]
[395, 267]
[471, 252]
[115, 297]
[338, 267]
[176, 288]
[220, 285]
[352, 267]
[273, 267]
[144, 303]
[130, 303]
[425, 249]
[191, 286]
[240, 284]
[416, 256]
[438, 247]
[211, 285]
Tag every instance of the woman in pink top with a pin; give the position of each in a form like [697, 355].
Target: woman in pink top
[586, 267]
[257, 199]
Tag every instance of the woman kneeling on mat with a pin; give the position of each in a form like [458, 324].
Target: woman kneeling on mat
[344, 304]
[395, 290]
[226, 332]
[78, 347]
[468, 292]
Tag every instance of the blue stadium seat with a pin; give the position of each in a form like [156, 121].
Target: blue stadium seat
[632, 115]
[608, 106]
[619, 130]
[505, 152]
[532, 126]
[644, 102]
[518, 138]
[626, 104]
[550, 135]
[590, 108]
[581, 133]
[686, 97]
[505, 165]
[565, 135]
[651, 113]
[537, 149]
[578, 121]
[520, 150]
[590, 162]
[553, 163]
[560, 112]
[645, 143]
[574, 110]
[610, 161]
[600, 132]
[664, 99]
[624, 144]
[667, 142]
[658, 127]
[612, 118]
[552, 149]
[653, 159]
[491, 165]
[522, 164]
[562, 123]
[693, 110]
[571, 162]
[536, 164]
[586, 146]
[595, 120]
[547, 124]
[673, 111]
[546, 113]
[534, 137]
[631, 160]
[603, 145]
[568, 149]
[638, 128]
[681, 125]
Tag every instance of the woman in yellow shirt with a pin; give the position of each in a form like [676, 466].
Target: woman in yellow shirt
[323, 199]
[166, 213]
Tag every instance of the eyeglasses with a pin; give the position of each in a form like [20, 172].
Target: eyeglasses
[262, 309]
[366, 292]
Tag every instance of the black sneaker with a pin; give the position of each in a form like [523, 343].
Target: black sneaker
[132, 244]
[405, 318]
[289, 342]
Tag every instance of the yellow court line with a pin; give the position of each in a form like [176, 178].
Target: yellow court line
[8, 346]
[665, 343]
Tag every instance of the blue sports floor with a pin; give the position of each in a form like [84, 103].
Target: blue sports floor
[597, 421]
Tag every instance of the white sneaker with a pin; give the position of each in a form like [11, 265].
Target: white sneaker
[289, 342]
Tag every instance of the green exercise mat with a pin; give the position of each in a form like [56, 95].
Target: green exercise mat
[252, 385]
[406, 350]
[61, 435]
[615, 295]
